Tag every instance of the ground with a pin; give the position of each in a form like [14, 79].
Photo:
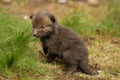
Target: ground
[104, 50]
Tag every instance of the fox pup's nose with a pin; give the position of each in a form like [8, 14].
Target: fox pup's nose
[34, 34]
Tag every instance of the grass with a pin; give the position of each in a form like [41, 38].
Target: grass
[84, 24]
[15, 38]
[20, 52]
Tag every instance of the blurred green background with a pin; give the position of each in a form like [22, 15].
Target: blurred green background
[96, 21]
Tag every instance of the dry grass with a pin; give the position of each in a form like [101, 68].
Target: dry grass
[104, 57]
[104, 49]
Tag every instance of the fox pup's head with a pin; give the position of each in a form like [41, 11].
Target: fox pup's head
[42, 23]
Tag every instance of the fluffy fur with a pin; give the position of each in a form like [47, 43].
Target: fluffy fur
[62, 42]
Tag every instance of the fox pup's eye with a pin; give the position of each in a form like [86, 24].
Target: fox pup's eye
[48, 25]
[42, 26]
[33, 26]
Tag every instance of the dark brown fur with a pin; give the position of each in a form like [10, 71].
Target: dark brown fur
[60, 42]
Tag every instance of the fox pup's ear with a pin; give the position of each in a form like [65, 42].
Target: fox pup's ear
[52, 18]
[31, 17]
